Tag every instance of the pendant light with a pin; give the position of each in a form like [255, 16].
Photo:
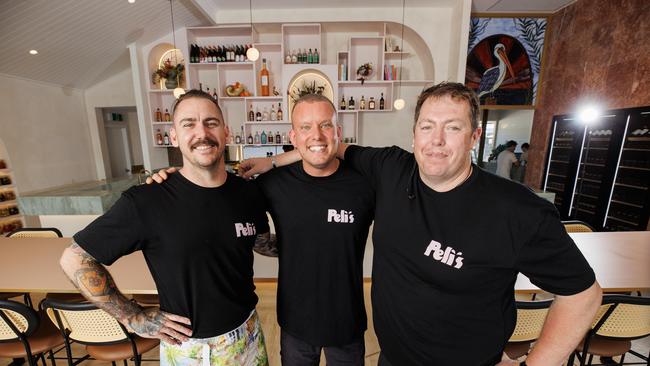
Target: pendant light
[399, 102]
[178, 91]
[252, 53]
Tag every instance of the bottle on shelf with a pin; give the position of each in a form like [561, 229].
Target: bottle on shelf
[310, 57]
[201, 86]
[278, 138]
[371, 104]
[168, 117]
[256, 139]
[274, 114]
[249, 140]
[158, 115]
[362, 103]
[316, 56]
[264, 79]
[207, 90]
[166, 139]
[280, 116]
[342, 105]
[285, 140]
[251, 114]
[287, 59]
[381, 102]
[159, 138]
[265, 115]
[351, 103]
[294, 57]
[238, 138]
[263, 139]
[270, 137]
[214, 94]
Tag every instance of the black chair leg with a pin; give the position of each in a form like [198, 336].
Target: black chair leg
[571, 359]
[113, 363]
[591, 358]
[126, 363]
[52, 358]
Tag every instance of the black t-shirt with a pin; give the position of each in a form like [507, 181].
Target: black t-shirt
[322, 226]
[197, 243]
[445, 264]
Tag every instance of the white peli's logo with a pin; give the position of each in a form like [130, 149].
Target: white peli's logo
[245, 229]
[345, 217]
[447, 256]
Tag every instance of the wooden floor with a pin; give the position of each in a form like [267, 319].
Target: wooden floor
[266, 310]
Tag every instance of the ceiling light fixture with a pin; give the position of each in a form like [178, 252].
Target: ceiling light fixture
[252, 53]
[399, 102]
[131, 1]
[588, 114]
[33, 52]
[178, 91]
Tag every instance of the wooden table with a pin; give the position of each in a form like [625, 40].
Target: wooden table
[621, 261]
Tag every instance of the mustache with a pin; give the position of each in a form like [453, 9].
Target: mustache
[205, 141]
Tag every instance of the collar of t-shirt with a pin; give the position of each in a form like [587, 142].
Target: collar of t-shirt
[301, 173]
[183, 180]
[459, 189]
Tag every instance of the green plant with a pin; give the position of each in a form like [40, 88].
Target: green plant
[168, 71]
[306, 89]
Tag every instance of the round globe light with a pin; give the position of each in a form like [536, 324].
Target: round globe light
[399, 104]
[178, 92]
[252, 54]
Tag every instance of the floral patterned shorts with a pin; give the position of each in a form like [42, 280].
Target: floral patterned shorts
[242, 346]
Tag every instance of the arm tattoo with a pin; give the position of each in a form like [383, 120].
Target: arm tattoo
[266, 244]
[96, 283]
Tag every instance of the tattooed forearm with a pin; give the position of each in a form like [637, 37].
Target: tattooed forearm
[266, 244]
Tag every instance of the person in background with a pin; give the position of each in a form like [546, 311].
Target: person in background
[523, 158]
[443, 272]
[197, 232]
[506, 159]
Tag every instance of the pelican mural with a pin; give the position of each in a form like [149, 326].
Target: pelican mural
[494, 76]
[499, 70]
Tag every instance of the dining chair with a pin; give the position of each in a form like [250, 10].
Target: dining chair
[531, 316]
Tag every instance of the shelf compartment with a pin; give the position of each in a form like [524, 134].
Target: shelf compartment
[364, 50]
[356, 90]
[236, 72]
[302, 36]
[272, 52]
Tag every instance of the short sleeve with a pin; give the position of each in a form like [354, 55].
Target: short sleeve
[114, 234]
[552, 261]
[259, 205]
[372, 162]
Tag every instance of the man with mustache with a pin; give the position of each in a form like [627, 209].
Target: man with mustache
[444, 272]
[196, 232]
[322, 210]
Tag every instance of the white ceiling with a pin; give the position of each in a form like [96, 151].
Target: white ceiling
[82, 41]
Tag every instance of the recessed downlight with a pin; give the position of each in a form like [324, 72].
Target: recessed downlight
[131, 1]
[33, 52]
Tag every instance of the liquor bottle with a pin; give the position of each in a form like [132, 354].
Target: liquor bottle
[304, 56]
[269, 137]
[362, 103]
[237, 139]
[316, 56]
[274, 114]
[256, 139]
[287, 59]
[159, 138]
[250, 139]
[166, 139]
[158, 115]
[251, 114]
[264, 79]
[168, 117]
[243, 136]
[201, 86]
[263, 140]
[342, 105]
[280, 111]
[214, 94]
[351, 104]
[285, 140]
[310, 57]
[258, 115]
[294, 57]
[381, 102]
[371, 103]
[265, 115]
[278, 138]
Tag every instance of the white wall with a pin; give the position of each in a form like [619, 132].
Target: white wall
[514, 125]
[114, 91]
[45, 132]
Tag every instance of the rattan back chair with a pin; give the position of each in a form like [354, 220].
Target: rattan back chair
[620, 319]
[36, 232]
[577, 226]
[531, 316]
[24, 334]
[105, 338]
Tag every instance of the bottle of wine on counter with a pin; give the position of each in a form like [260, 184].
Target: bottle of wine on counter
[351, 104]
[280, 111]
[158, 115]
[362, 103]
[264, 79]
[251, 114]
[342, 105]
[159, 138]
[381, 102]
[166, 139]
[168, 117]
[371, 104]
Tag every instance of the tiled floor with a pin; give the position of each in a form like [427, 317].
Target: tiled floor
[266, 311]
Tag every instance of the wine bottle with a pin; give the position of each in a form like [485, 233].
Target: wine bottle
[362, 103]
[256, 139]
[264, 79]
[351, 103]
[342, 106]
[278, 138]
[270, 137]
[158, 115]
[250, 139]
[381, 102]
[280, 116]
[159, 138]
[316, 56]
[251, 114]
[263, 140]
[310, 57]
[166, 139]
[258, 115]
[294, 57]
[168, 117]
